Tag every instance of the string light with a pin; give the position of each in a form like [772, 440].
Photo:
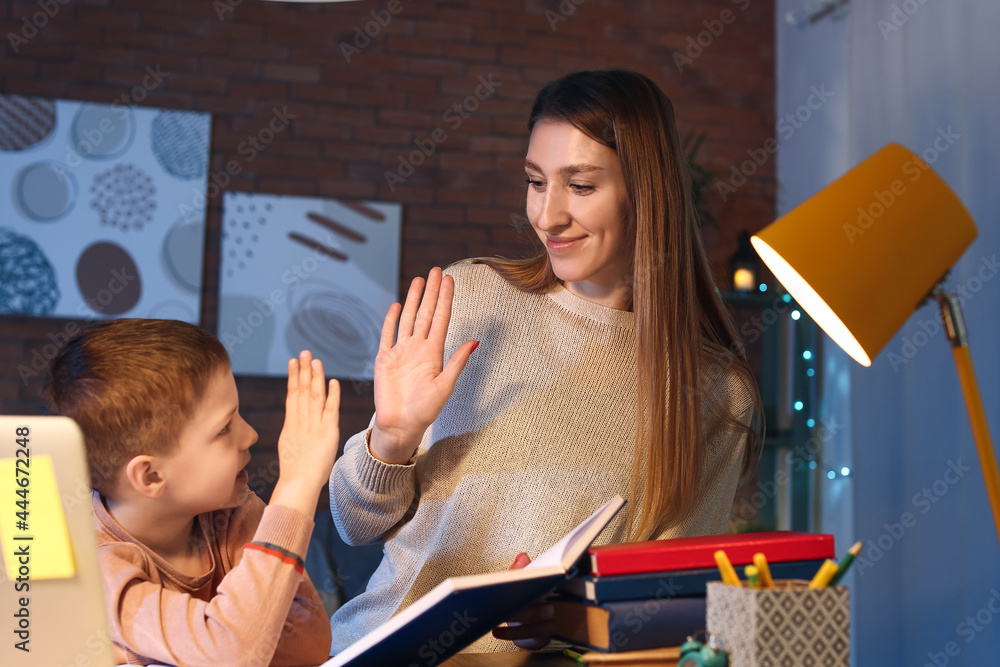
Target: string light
[807, 355]
[799, 405]
[831, 475]
[810, 372]
[763, 287]
[845, 471]
[796, 315]
[810, 422]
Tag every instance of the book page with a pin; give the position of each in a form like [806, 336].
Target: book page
[566, 551]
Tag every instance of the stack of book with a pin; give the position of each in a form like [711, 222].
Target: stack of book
[648, 595]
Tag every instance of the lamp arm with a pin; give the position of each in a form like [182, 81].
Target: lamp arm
[954, 323]
[951, 315]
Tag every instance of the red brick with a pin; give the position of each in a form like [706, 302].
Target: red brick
[350, 150]
[63, 32]
[321, 92]
[409, 82]
[168, 99]
[141, 40]
[196, 83]
[407, 118]
[39, 49]
[347, 189]
[320, 130]
[316, 168]
[287, 186]
[490, 144]
[434, 215]
[346, 114]
[444, 67]
[171, 23]
[371, 66]
[473, 17]
[193, 44]
[271, 52]
[392, 99]
[233, 67]
[19, 66]
[472, 52]
[109, 19]
[234, 31]
[89, 72]
[462, 32]
[300, 73]
[413, 45]
[257, 89]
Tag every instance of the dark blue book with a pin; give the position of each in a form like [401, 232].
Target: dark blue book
[680, 583]
[628, 625]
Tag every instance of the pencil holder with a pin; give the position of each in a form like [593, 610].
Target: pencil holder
[789, 624]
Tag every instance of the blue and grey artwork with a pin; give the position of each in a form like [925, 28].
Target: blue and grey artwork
[45, 191]
[124, 197]
[25, 121]
[27, 279]
[337, 326]
[180, 143]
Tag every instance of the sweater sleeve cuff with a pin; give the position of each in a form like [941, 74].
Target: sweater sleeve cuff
[286, 528]
[381, 477]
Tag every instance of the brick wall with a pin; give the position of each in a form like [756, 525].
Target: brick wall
[359, 105]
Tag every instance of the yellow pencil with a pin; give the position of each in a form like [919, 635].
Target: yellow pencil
[763, 571]
[824, 574]
[726, 569]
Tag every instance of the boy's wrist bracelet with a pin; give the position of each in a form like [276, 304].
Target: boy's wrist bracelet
[278, 552]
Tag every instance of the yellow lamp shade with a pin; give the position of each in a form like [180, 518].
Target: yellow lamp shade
[860, 255]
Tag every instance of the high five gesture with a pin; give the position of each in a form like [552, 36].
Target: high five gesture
[412, 383]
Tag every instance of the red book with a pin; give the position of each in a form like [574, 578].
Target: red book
[688, 553]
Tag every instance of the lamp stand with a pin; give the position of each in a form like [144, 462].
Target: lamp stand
[954, 324]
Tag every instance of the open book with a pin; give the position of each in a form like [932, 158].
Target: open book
[460, 610]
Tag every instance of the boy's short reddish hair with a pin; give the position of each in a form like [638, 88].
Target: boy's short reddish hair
[131, 384]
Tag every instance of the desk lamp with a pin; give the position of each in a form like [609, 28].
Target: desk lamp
[870, 248]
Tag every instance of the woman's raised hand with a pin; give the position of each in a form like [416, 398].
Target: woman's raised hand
[412, 384]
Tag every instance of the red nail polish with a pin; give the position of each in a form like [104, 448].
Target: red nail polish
[475, 344]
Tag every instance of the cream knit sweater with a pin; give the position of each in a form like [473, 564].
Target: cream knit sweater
[537, 435]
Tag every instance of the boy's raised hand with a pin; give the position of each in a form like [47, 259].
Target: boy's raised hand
[309, 438]
[412, 384]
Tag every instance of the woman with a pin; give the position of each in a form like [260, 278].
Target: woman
[608, 365]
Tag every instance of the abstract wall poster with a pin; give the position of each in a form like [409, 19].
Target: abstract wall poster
[105, 213]
[301, 273]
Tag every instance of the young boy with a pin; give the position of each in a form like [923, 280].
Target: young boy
[197, 570]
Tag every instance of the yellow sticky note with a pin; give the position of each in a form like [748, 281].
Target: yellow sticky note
[32, 523]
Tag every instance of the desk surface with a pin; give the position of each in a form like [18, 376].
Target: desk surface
[508, 659]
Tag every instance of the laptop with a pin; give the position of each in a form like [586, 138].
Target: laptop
[61, 621]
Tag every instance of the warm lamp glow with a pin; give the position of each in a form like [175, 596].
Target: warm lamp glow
[811, 302]
[744, 279]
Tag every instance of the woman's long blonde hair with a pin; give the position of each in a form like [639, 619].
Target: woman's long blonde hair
[677, 307]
